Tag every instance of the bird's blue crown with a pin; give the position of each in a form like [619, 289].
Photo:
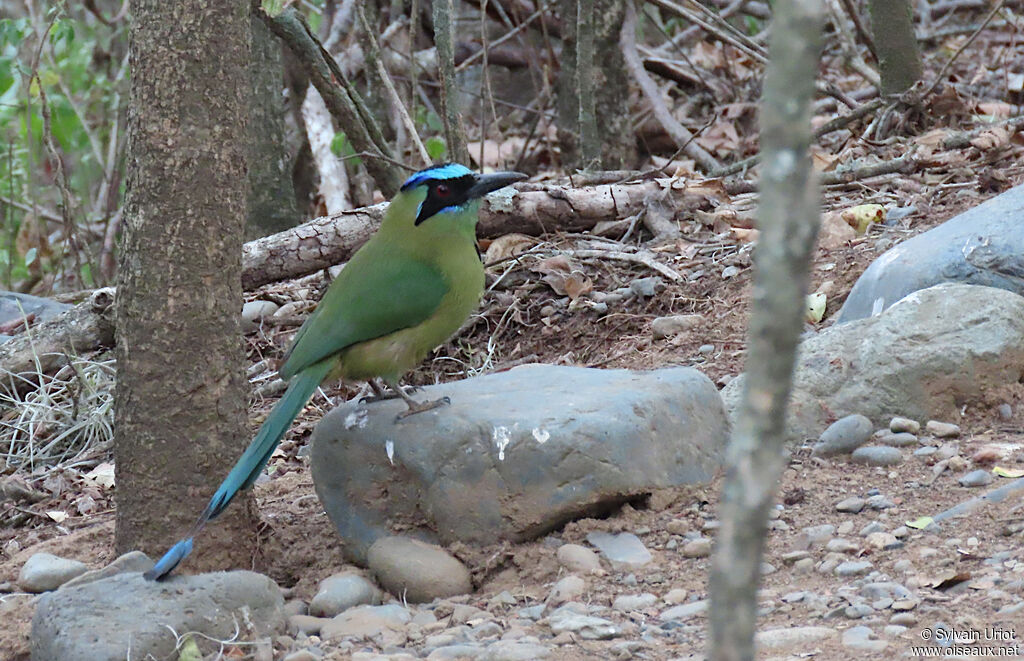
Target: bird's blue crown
[443, 171]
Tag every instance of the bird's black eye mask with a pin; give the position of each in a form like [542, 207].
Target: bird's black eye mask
[444, 195]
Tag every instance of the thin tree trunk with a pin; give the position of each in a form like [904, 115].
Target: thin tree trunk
[899, 57]
[181, 393]
[444, 38]
[788, 219]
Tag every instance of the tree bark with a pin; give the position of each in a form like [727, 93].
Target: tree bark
[272, 206]
[594, 129]
[899, 57]
[788, 219]
[180, 412]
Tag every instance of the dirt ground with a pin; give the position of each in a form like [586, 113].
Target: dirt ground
[299, 547]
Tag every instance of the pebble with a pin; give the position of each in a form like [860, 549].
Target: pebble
[877, 455]
[894, 630]
[880, 502]
[634, 602]
[730, 271]
[676, 596]
[515, 650]
[706, 349]
[306, 624]
[858, 611]
[44, 572]
[578, 559]
[843, 436]
[884, 541]
[791, 637]
[900, 425]
[303, 655]
[568, 588]
[566, 620]
[898, 440]
[456, 652]
[698, 548]
[803, 566]
[852, 505]
[925, 452]
[874, 526]
[863, 639]
[416, 571]
[1005, 411]
[818, 534]
[976, 478]
[948, 450]
[624, 549]
[340, 592]
[942, 429]
[684, 611]
[903, 619]
[853, 568]
[840, 545]
[794, 556]
[663, 327]
[365, 622]
[645, 287]
[254, 310]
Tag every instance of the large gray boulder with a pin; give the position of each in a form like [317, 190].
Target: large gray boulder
[126, 616]
[982, 246]
[516, 454]
[923, 358]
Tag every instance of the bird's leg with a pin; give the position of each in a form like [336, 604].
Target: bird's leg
[414, 406]
[380, 395]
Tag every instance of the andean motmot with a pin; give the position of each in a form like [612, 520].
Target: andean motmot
[402, 294]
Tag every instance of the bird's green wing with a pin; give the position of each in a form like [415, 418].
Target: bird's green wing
[370, 298]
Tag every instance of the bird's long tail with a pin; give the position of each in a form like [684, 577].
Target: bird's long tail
[252, 461]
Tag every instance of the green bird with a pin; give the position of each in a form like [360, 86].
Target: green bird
[402, 294]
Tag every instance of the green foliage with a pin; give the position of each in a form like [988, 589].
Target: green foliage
[80, 64]
[436, 148]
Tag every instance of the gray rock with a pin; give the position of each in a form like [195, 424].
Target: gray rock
[102, 620]
[877, 455]
[863, 639]
[254, 310]
[791, 637]
[954, 342]
[578, 559]
[585, 626]
[365, 622]
[697, 548]
[851, 505]
[1005, 411]
[885, 590]
[634, 602]
[343, 591]
[567, 588]
[663, 327]
[942, 429]
[684, 611]
[516, 650]
[646, 287]
[853, 568]
[819, 534]
[457, 652]
[622, 550]
[900, 425]
[880, 502]
[898, 440]
[843, 436]
[43, 572]
[14, 306]
[516, 454]
[858, 611]
[133, 561]
[416, 571]
[976, 478]
[982, 246]
[306, 624]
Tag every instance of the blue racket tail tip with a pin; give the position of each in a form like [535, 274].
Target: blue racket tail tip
[169, 561]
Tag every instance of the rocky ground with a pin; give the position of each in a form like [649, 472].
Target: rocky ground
[845, 575]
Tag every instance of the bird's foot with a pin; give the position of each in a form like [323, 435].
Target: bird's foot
[380, 395]
[419, 407]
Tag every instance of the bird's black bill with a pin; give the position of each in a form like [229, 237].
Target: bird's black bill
[488, 183]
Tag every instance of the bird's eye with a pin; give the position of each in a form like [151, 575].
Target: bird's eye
[442, 190]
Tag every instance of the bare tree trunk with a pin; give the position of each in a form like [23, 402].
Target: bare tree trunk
[444, 38]
[899, 58]
[181, 393]
[788, 219]
[272, 205]
[594, 128]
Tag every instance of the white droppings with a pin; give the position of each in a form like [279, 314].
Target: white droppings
[389, 447]
[878, 306]
[501, 440]
[541, 435]
[357, 418]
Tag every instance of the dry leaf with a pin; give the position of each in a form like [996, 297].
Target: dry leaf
[1008, 472]
[57, 515]
[816, 307]
[993, 138]
[861, 216]
[102, 475]
[508, 245]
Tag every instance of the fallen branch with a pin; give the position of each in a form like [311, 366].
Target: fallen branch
[44, 348]
[330, 240]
